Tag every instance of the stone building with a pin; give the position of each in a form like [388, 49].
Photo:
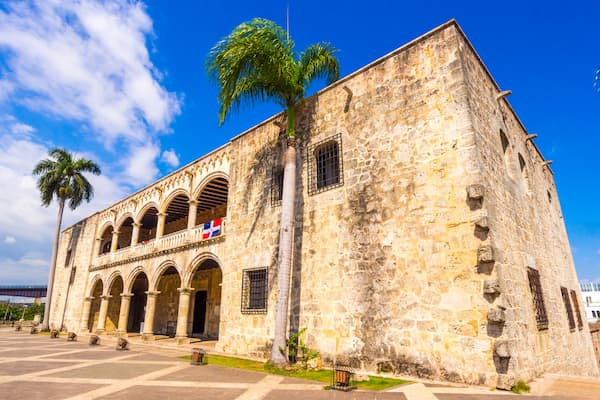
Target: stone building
[591, 295]
[429, 238]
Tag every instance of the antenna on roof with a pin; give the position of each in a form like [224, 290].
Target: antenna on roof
[287, 20]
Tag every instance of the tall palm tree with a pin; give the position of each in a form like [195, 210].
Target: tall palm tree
[257, 62]
[61, 177]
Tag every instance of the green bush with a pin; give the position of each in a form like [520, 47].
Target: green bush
[520, 387]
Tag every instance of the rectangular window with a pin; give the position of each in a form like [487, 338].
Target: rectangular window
[565, 296]
[577, 311]
[325, 166]
[537, 296]
[255, 291]
[276, 186]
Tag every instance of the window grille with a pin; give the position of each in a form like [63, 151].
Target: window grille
[577, 311]
[325, 166]
[255, 290]
[276, 186]
[538, 298]
[565, 296]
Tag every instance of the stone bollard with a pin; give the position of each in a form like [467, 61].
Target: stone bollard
[54, 334]
[122, 344]
[71, 336]
[94, 340]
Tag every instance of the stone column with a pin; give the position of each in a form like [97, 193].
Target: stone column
[182, 314]
[149, 317]
[160, 225]
[115, 241]
[135, 234]
[102, 314]
[85, 317]
[124, 313]
[192, 213]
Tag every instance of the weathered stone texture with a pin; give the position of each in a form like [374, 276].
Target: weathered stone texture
[416, 264]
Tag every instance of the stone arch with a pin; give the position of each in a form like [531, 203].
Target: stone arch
[105, 237]
[172, 195]
[196, 262]
[211, 199]
[166, 283]
[95, 290]
[123, 218]
[137, 285]
[144, 209]
[110, 280]
[93, 284]
[206, 180]
[205, 277]
[177, 210]
[114, 289]
[132, 277]
[164, 266]
[148, 220]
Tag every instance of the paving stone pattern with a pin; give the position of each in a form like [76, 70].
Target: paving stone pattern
[40, 368]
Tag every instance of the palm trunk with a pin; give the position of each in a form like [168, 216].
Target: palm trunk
[286, 236]
[45, 324]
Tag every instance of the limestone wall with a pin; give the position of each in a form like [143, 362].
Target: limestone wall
[526, 229]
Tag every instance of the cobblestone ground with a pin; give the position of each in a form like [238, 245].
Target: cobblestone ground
[36, 367]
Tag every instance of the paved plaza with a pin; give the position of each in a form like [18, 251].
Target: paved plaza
[36, 367]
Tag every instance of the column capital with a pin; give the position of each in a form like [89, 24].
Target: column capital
[106, 297]
[185, 290]
[115, 233]
[193, 202]
[162, 214]
[129, 295]
[98, 239]
[137, 224]
[152, 293]
[90, 298]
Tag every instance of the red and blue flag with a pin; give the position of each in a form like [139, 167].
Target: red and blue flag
[212, 229]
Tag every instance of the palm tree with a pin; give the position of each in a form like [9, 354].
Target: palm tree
[62, 177]
[256, 61]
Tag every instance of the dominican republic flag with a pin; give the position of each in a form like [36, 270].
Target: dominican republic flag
[212, 228]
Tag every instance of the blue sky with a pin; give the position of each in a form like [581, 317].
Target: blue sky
[124, 83]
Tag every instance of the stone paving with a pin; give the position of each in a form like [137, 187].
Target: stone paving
[36, 367]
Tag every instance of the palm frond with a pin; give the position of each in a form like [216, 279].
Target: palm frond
[319, 61]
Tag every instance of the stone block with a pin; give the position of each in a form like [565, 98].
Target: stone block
[505, 382]
[483, 223]
[502, 348]
[496, 315]
[485, 254]
[491, 286]
[475, 192]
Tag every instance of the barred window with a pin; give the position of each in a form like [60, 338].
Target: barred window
[565, 296]
[577, 311]
[325, 167]
[538, 298]
[255, 290]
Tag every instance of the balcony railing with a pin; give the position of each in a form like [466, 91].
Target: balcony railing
[176, 241]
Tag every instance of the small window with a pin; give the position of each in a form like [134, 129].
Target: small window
[255, 290]
[593, 313]
[504, 141]
[537, 296]
[565, 296]
[577, 311]
[588, 300]
[325, 166]
[68, 258]
[549, 196]
[276, 186]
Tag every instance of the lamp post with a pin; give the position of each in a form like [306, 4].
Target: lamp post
[23, 316]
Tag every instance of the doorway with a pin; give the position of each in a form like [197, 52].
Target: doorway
[199, 312]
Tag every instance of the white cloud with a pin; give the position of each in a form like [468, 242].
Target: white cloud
[31, 268]
[10, 240]
[140, 165]
[88, 62]
[19, 128]
[170, 157]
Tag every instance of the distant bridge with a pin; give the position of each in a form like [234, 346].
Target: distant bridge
[35, 291]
